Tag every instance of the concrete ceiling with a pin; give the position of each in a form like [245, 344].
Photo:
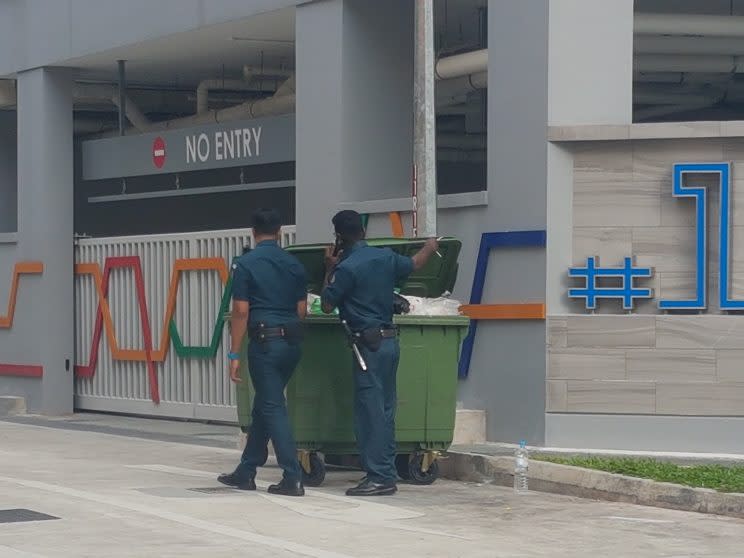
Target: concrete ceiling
[184, 59]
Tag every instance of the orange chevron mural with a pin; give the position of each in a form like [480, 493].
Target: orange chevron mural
[6, 322]
[20, 268]
[180, 266]
[105, 321]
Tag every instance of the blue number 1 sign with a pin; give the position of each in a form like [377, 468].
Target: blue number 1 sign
[687, 189]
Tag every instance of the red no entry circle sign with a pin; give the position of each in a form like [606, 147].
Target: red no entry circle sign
[158, 152]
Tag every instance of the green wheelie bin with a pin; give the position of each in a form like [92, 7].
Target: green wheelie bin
[321, 393]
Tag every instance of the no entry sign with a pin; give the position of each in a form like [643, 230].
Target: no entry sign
[240, 143]
[158, 152]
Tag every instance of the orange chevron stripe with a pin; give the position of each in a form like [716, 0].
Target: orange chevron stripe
[396, 224]
[523, 311]
[94, 270]
[20, 268]
[180, 266]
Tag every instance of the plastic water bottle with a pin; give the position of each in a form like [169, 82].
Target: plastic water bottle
[521, 466]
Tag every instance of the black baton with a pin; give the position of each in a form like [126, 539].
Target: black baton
[354, 347]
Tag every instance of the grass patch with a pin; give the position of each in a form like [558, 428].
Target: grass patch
[717, 477]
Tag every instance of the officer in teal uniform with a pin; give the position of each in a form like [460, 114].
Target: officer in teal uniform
[269, 301]
[360, 282]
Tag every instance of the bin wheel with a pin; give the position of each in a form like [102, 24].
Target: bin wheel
[422, 477]
[317, 473]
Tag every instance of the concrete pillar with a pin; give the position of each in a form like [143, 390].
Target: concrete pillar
[507, 370]
[590, 82]
[45, 195]
[354, 107]
[8, 173]
[543, 70]
[591, 62]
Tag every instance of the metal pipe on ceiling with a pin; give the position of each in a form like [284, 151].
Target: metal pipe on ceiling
[91, 125]
[289, 87]
[85, 92]
[695, 25]
[680, 77]
[121, 101]
[270, 106]
[453, 72]
[249, 72]
[454, 91]
[207, 85]
[281, 104]
[459, 65]
[248, 83]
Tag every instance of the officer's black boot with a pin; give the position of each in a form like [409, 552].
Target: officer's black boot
[236, 480]
[369, 488]
[287, 487]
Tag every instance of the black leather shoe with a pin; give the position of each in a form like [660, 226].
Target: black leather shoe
[369, 488]
[238, 481]
[287, 488]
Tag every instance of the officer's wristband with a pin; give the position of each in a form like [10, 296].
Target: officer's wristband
[233, 356]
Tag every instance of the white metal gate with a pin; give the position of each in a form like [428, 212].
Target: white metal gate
[129, 373]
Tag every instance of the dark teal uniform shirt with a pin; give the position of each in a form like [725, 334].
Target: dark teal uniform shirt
[362, 285]
[272, 281]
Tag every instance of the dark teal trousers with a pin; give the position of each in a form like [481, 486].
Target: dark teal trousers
[271, 365]
[375, 402]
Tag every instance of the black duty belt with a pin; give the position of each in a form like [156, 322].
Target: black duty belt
[387, 333]
[372, 337]
[384, 332]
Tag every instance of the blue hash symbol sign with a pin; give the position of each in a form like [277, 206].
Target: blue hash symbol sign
[597, 283]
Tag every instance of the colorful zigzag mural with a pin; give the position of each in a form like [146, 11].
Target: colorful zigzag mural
[151, 355]
[6, 322]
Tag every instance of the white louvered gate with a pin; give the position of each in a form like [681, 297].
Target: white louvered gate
[189, 387]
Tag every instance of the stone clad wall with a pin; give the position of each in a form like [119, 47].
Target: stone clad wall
[649, 363]
[663, 365]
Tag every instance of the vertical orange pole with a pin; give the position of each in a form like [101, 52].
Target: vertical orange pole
[396, 224]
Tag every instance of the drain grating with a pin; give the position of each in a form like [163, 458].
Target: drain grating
[21, 516]
[214, 490]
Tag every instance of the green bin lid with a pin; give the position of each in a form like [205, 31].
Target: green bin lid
[434, 279]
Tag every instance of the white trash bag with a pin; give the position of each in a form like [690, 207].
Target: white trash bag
[440, 306]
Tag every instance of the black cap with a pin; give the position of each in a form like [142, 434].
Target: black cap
[348, 223]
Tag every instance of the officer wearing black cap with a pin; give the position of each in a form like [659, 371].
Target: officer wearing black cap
[360, 282]
[269, 300]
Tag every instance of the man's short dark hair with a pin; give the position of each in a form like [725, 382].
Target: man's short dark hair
[266, 221]
[348, 224]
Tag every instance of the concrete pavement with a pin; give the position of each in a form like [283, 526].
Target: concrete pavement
[137, 488]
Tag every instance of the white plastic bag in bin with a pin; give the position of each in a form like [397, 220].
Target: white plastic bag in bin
[441, 306]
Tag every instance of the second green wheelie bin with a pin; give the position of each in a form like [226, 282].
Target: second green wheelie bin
[321, 394]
